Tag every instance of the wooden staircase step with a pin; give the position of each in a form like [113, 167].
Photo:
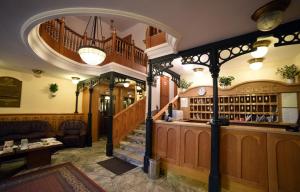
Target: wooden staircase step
[136, 139]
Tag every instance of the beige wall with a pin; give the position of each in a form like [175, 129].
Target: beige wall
[36, 98]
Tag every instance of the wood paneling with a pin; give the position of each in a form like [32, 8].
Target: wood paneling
[128, 120]
[166, 143]
[283, 162]
[229, 155]
[203, 157]
[54, 119]
[245, 159]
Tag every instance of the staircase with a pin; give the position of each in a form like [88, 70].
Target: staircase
[132, 149]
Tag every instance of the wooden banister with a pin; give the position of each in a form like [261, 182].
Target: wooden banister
[128, 119]
[161, 112]
[66, 42]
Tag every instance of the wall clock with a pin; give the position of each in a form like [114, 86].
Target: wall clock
[202, 91]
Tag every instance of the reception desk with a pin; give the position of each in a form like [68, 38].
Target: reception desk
[251, 158]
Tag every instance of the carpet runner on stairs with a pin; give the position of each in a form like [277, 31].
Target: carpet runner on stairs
[132, 149]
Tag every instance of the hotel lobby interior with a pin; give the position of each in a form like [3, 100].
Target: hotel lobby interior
[152, 96]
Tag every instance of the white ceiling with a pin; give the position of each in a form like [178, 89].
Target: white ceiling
[197, 22]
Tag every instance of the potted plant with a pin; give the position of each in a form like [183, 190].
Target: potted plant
[53, 88]
[288, 72]
[225, 81]
[184, 85]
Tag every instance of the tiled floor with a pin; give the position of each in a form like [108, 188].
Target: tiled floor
[133, 181]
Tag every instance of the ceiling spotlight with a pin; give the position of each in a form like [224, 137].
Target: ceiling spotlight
[256, 63]
[126, 84]
[37, 73]
[75, 80]
[199, 71]
[270, 15]
[261, 48]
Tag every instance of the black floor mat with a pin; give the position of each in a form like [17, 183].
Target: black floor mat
[116, 165]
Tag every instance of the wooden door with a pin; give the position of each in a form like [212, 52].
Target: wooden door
[164, 91]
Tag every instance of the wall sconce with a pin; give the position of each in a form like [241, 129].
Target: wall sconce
[37, 73]
[261, 48]
[138, 88]
[199, 71]
[256, 63]
[75, 80]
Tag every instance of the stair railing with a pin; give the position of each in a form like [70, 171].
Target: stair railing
[159, 115]
[128, 119]
[65, 41]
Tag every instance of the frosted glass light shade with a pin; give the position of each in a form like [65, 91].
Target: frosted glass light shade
[75, 80]
[260, 52]
[199, 71]
[138, 88]
[256, 66]
[91, 55]
[256, 63]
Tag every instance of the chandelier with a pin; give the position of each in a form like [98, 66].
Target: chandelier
[90, 53]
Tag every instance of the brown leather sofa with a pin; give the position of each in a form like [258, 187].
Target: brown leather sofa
[72, 133]
[32, 130]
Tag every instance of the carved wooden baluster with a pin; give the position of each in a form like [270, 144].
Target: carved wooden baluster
[61, 35]
[114, 39]
[84, 38]
[132, 52]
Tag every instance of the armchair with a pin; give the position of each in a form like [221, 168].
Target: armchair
[72, 133]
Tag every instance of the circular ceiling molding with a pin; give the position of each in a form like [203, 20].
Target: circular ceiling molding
[43, 16]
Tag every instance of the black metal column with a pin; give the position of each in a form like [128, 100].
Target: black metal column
[109, 144]
[149, 122]
[89, 130]
[214, 175]
[76, 103]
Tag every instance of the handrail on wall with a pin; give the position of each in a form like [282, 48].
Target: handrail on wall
[160, 113]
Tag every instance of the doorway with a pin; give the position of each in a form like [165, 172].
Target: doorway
[104, 114]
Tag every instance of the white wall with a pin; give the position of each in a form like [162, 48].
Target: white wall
[35, 97]
[138, 33]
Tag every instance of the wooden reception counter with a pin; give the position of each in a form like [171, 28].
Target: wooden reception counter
[251, 159]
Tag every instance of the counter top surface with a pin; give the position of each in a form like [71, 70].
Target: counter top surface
[231, 127]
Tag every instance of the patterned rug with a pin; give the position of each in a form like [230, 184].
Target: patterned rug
[59, 178]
